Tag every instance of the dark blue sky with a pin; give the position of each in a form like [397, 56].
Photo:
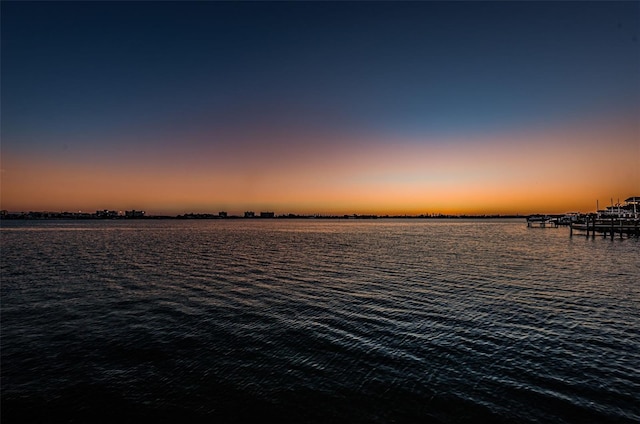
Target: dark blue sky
[414, 66]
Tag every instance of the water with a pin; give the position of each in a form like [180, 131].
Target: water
[317, 321]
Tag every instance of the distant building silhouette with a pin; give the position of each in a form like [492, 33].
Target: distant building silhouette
[105, 214]
[134, 214]
[249, 214]
[267, 214]
[222, 214]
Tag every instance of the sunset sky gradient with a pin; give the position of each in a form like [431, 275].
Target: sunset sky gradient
[314, 107]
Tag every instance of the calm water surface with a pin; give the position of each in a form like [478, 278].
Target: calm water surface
[317, 321]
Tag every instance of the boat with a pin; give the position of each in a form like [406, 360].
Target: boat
[629, 210]
[570, 218]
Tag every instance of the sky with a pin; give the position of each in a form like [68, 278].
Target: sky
[319, 107]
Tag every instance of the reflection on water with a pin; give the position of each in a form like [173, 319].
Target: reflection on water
[317, 321]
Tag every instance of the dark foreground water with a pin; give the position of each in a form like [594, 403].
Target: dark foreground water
[317, 321]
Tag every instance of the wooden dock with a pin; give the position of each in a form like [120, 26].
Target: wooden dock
[542, 222]
[610, 227]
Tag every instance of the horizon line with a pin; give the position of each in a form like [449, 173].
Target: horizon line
[140, 214]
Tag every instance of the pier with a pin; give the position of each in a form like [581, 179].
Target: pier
[617, 220]
[541, 222]
[607, 227]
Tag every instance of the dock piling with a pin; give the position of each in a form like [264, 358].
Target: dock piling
[611, 228]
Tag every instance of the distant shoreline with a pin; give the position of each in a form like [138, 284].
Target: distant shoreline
[270, 216]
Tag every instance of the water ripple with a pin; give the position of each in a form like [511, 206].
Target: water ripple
[445, 321]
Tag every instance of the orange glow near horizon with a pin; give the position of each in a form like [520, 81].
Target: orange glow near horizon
[552, 171]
